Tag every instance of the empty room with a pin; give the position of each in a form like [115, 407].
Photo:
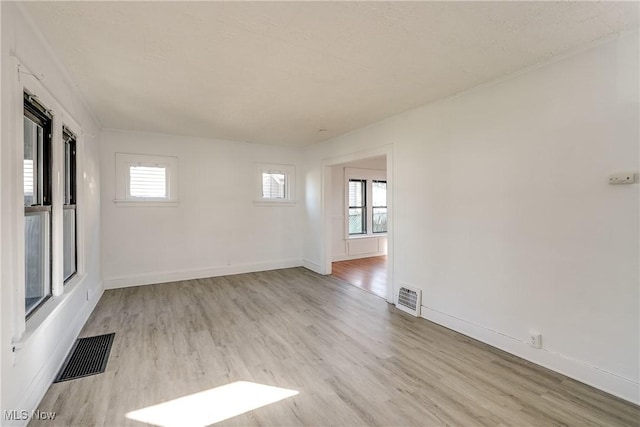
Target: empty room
[319, 213]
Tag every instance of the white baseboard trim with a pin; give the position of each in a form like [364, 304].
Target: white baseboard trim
[174, 276]
[345, 257]
[609, 382]
[46, 375]
[313, 266]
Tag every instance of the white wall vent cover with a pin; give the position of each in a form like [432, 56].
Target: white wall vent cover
[409, 300]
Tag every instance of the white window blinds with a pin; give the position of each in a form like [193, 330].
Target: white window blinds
[273, 185]
[148, 181]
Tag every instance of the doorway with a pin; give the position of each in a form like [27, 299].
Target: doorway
[357, 200]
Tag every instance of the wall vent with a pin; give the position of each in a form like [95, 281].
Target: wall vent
[409, 300]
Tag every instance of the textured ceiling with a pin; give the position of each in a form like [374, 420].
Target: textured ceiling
[295, 73]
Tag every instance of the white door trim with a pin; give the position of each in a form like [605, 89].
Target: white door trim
[325, 252]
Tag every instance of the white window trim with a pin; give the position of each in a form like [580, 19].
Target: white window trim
[22, 328]
[369, 175]
[123, 196]
[289, 172]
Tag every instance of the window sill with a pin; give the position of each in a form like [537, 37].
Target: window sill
[365, 236]
[43, 314]
[149, 203]
[266, 202]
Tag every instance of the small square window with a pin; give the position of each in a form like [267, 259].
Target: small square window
[148, 181]
[145, 180]
[276, 184]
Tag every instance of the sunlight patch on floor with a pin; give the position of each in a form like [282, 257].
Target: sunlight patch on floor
[211, 406]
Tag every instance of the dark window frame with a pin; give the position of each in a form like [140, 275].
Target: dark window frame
[41, 116]
[70, 140]
[71, 193]
[363, 207]
[38, 114]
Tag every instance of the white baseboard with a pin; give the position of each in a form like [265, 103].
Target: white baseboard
[346, 257]
[174, 276]
[609, 382]
[313, 266]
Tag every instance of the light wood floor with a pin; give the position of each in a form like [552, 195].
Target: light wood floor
[354, 359]
[369, 273]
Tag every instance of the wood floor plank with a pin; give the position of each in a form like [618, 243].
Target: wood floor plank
[352, 358]
[368, 273]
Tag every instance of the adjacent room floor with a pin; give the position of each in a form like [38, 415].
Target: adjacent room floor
[290, 347]
[369, 274]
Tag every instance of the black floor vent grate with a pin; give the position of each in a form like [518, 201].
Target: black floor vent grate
[88, 356]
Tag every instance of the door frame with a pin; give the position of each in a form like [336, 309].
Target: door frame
[325, 253]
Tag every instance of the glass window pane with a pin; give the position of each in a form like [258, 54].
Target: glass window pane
[28, 182]
[69, 242]
[67, 173]
[37, 192]
[32, 135]
[69, 251]
[69, 167]
[273, 185]
[36, 259]
[379, 220]
[379, 193]
[356, 192]
[356, 221]
[148, 181]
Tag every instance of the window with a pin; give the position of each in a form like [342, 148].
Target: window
[357, 206]
[143, 179]
[37, 176]
[69, 217]
[365, 203]
[276, 184]
[379, 206]
[273, 185]
[148, 182]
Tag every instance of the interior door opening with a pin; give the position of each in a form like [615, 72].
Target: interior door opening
[357, 202]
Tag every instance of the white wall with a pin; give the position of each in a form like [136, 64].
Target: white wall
[216, 227]
[342, 247]
[338, 231]
[44, 341]
[503, 216]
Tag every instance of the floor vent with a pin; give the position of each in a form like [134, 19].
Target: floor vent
[88, 356]
[409, 300]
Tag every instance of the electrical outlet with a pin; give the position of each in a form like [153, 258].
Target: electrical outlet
[535, 339]
[622, 178]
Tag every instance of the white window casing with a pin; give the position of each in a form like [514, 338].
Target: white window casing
[146, 180]
[27, 181]
[275, 184]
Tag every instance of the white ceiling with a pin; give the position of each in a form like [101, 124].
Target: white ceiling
[295, 73]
